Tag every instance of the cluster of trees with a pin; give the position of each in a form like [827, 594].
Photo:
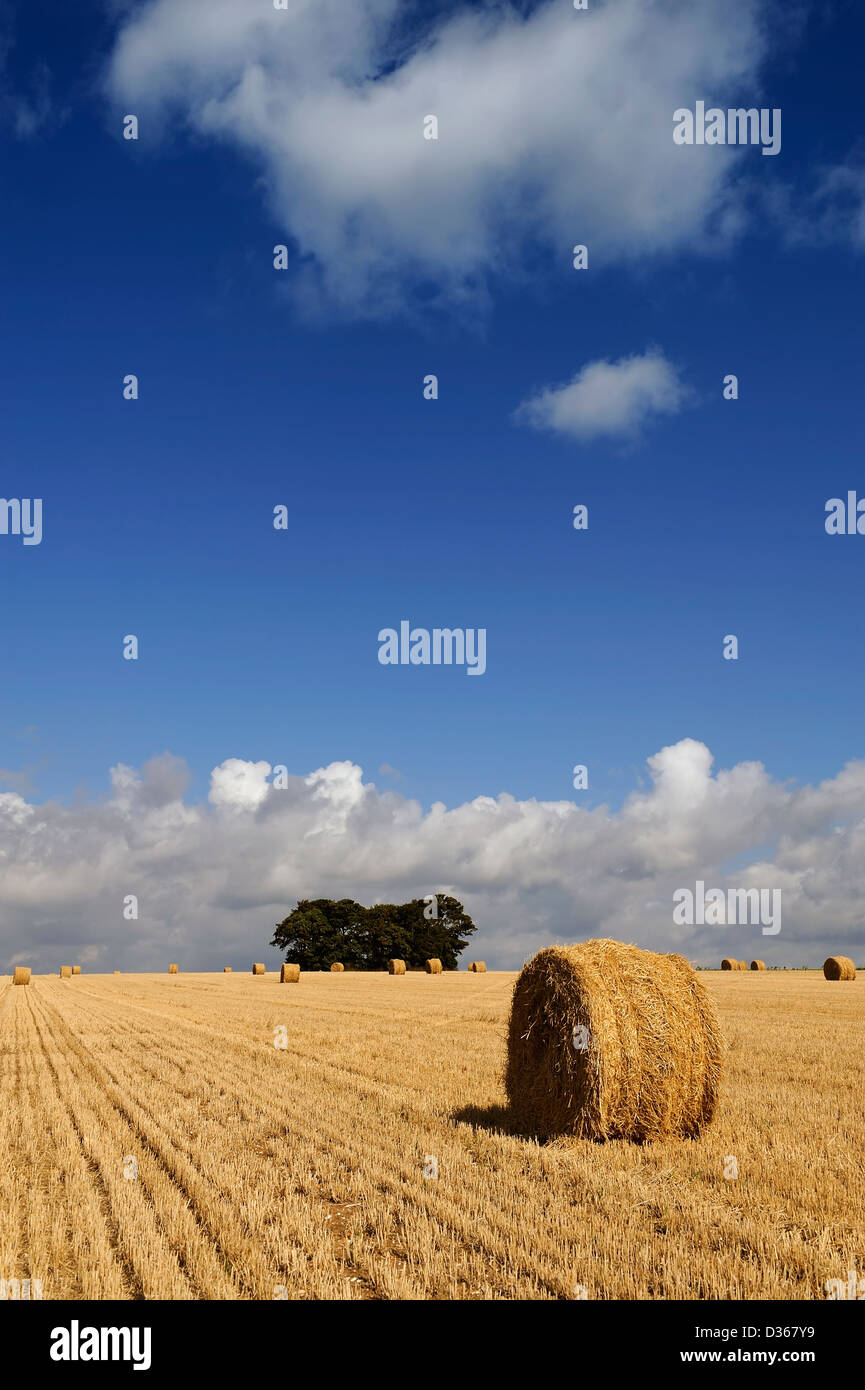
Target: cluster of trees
[320, 931]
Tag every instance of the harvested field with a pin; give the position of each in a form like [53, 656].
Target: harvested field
[301, 1164]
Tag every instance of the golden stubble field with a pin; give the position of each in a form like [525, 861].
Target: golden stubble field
[155, 1143]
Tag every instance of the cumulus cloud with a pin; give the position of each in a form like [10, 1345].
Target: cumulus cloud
[612, 399]
[212, 878]
[555, 126]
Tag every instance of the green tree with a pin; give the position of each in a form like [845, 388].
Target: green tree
[320, 931]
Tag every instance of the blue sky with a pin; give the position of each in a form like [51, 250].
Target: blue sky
[603, 647]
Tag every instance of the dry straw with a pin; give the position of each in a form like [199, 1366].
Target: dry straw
[839, 968]
[22, 975]
[758, 965]
[606, 1041]
[258, 968]
[337, 968]
[289, 975]
[478, 967]
[434, 966]
[396, 967]
[65, 972]
[172, 969]
[76, 970]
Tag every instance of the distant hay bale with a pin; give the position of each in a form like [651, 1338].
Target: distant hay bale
[839, 968]
[172, 969]
[65, 972]
[396, 967]
[478, 967]
[337, 968]
[289, 975]
[22, 975]
[728, 963]
[226, 970]
[76, 970]
[758, 965]
[258, 968]
[116, 972]
[433, 967]
[742, 965]
[606, 1041]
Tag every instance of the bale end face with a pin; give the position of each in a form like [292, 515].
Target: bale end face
[116, 972]
[433, 966]
[258, 968]
[22, 975]
[337, 968]
[839, 968]
[66, 972]
[226, 970]
[758, 965]
[478, 967]
[289, 975]
[606, 1041]
[396, 967]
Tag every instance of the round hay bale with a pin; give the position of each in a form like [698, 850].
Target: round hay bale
[172, 969]
[606, 1041]
[433, 967]
[76, 970]
[22, 975]
[758, 965]
[478, 967]
[337, 968]
[289, 975]
[729, 963]
[116, 972]
[839, 968]
[66, 972]
[258, 968]
[226, 970]
[396, 967]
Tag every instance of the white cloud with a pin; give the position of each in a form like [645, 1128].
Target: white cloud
[238, 784]
[613, 399]
[554, 128]
[212, 878]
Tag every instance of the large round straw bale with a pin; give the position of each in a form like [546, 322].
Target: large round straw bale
[226, 970]
[729, 963]
[758, 965]
[839, 968]
[65, 972]
[434, 966]
[478, 967]
[76, 970]
[607, 1041]
[289, 975]
[22, 975]
[337, 968]
[117, 972]
[172, 969]
[396, 967]
[258, 968]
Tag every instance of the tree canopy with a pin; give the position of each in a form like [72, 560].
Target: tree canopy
[320, 931]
